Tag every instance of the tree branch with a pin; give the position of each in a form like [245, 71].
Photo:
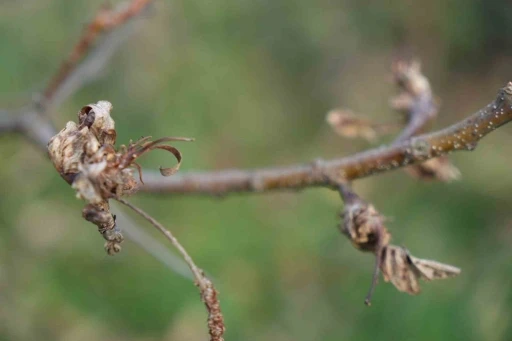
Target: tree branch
[463, 135]
[105, 20]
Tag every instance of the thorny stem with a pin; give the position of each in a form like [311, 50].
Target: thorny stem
[463, 135]
[209, 294]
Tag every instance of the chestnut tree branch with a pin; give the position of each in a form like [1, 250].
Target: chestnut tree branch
[463, 135]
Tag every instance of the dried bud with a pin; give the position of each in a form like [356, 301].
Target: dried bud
[364, 227]
[408, 76]
[348, 125]
[362, 224]
[439, 168]
[85, 156]
[65, 150]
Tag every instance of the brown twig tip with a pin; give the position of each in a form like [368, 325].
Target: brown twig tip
[508, 88]
[208, 292]
[416, 100]
[209, 297]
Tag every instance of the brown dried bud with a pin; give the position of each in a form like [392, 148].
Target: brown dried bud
[439, 168]
[408, 76]
[348, 125]
[362, 224]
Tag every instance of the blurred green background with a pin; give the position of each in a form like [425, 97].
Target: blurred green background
[252, 81]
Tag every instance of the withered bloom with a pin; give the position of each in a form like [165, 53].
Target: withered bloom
[361, 222]
[364, 226]
[346, 124]
[85, 156]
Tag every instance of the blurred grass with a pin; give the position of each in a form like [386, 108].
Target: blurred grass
[252, 82]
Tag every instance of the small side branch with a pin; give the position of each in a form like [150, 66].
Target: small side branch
[105, 20]
[463, 135]
[208, 293]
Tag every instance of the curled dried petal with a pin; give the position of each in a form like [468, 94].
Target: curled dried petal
[142, 146]
[170, 170]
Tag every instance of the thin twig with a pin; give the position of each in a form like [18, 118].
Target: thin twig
[415, 98]
[208, 293]
[8, 122]
[150, 244]
[463, 135]
[105, 20]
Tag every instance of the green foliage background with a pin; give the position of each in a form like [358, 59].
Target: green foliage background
[252, 81]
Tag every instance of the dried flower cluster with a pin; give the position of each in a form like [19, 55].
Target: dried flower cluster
[85, 156]
[364, 226]
[415, 101]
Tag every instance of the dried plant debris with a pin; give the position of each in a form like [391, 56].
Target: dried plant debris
[85, 156]
[399, 267]
[408, 76]
[364, 226]
[209, 296]
[346, 124]
[416, 101]
[439, 168]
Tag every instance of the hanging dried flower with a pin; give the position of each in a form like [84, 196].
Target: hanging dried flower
[364, 226]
